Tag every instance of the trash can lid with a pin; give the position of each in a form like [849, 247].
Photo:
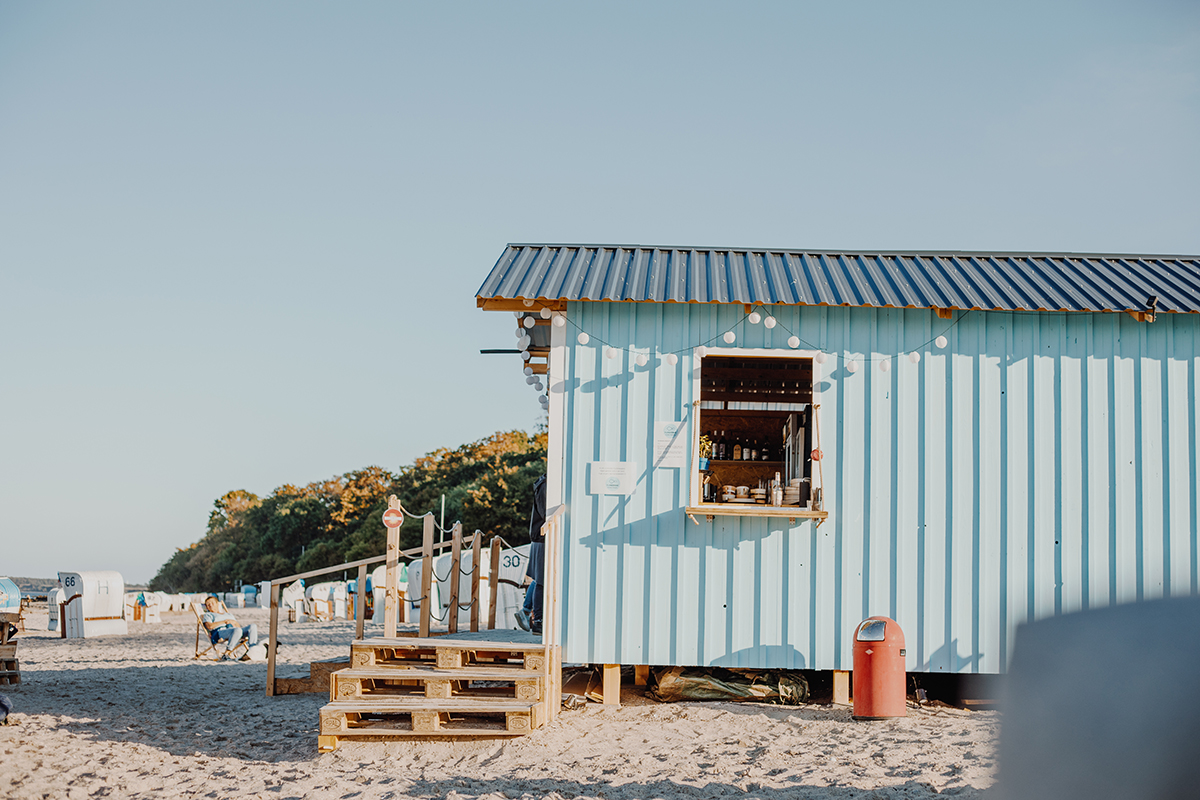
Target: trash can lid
[872, 630]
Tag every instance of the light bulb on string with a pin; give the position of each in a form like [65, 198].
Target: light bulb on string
[793, 342]
[526, 355]
[524, 342]
[852, 366]
[538, 386]
[528, 301]
[530, 380]
[672, 359]
[940, 342]
[544, 313]
[755, 317]
[641, 359]
[583, 338]
[885, 365]
[820, 358]
[612, 352]
[701, 351]
[528, 371]
[520, 332]
[729, 337]
[914, 357]
[559, 320]
[518, 314]
[528, 322]
[769, 322]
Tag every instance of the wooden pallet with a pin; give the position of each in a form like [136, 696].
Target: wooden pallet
[380, 718]
[391, 681]
[317, 680]
[446, 653]
[10, 671]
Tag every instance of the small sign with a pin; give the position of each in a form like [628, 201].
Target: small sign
[611, 477]
[393, 518]
[670, 445]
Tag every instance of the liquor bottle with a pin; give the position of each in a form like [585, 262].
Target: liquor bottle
[720, 449]
[737, 448]
[764, 452]
[754, 451]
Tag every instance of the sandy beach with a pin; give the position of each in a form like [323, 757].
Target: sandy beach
[135, 716]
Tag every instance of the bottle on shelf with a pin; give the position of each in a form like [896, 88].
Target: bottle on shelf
[737, 448]
[720, 450]
[764, 453]
[754, 451]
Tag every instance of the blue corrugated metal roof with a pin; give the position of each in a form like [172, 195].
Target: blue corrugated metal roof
[963, 280]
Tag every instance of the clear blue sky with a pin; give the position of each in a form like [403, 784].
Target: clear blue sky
[239, 243]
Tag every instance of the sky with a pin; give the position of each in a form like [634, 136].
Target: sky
[240, 243]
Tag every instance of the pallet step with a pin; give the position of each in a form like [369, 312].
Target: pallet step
[446, 653]
[374, 682]
[391, 717]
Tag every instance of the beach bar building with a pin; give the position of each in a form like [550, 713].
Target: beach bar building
[964, 442]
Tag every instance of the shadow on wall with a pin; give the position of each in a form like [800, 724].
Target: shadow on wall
[1104, 704]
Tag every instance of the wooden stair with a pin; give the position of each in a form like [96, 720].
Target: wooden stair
[446, 687]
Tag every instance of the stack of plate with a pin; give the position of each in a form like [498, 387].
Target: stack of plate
[791, 495]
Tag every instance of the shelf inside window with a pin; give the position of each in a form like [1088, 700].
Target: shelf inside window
[753, 510]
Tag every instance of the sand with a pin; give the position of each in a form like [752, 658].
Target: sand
[136, 716]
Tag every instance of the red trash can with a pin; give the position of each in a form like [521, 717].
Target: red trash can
[879, 676]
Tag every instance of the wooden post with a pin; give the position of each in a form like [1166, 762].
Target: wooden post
[273, 638]
[391, 599]
[360, 602]
[612, 684]
[476, 572]
[455, 574]
[426, 576]
[494, 583]
[641, 674]
[841, 687]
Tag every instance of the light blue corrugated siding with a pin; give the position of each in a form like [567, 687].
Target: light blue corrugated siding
[1040, 463]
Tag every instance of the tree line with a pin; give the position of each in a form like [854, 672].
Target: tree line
[488, 486]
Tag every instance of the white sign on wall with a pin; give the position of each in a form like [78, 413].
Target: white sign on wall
[670, 445]
[611, 477]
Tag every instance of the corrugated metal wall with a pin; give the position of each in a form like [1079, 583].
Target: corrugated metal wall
[1038, 464]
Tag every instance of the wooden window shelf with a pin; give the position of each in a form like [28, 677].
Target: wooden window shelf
[793, 513]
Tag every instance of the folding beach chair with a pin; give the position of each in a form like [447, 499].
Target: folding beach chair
[209, 638]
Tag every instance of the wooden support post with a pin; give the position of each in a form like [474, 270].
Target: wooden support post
[360, 602]
[476, 574]
[426, 577]
[641, 674]
[841, 687]
[272, 638]
[391, 599]
[455, 575]
[494, 583]
[612, 684]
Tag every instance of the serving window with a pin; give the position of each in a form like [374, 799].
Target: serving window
[755, 434]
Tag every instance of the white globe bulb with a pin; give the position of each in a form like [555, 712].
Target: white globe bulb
[672, 359]
[528, 371]
[701, 351]
[885, 365]
[538, 386]
[518, 314]
[531, 380]
[528, 302]
[820, 358]
[793, 342]
[852, 366]
[914, 356]
[642, 360]
[729, 337]
[559, 320]
[583, 338]
[940, 341]
[520, 332]
[769, 322]
[528, 322]
[755, 317]
[524, 342]
[544, 313]
[612, 352]
[525, 355]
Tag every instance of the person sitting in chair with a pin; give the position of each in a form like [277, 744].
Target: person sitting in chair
[222, 626]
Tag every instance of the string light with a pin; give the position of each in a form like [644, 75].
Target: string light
[641, 359]
[914, 357]
[701, 351]
[528, 301]
[559, 320]
[820, 358]
[885, 365]
[526, 355]
[538, 386]
[769, 322]
[544, 313]
[518, 314]
[852, 366]
[729, 337]
[583, 338]
[524, 342]
[755, 318]
[793, 342]
[528, 322]
[612, 352]
[940, 342]
[528, 371]
[672, 359]
[530, 380]
[520, 332]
